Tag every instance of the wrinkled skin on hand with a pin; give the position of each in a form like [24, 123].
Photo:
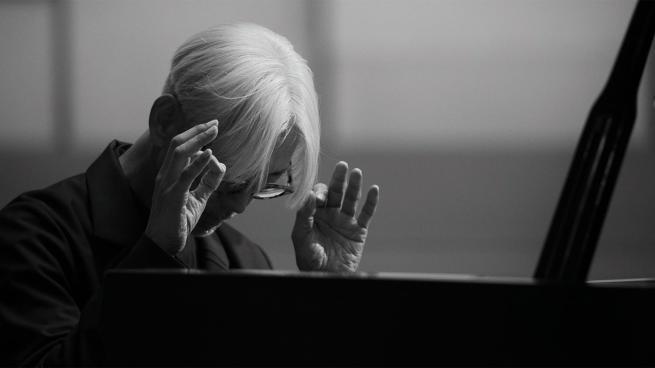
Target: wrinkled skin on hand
[327, 236]
[176, 209]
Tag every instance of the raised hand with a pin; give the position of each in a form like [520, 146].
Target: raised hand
[327, 236]
[175, 208]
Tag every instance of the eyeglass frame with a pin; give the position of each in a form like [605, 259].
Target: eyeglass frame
[286, 188]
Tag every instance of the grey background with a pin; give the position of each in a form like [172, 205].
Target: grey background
[466, 113]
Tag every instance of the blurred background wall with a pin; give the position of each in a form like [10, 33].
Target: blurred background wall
[466, 113]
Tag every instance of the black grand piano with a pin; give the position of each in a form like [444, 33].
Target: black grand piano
[282, 318]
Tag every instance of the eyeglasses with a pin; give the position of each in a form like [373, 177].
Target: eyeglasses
[269, 191]
[274, 190]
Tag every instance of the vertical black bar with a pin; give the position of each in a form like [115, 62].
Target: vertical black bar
[578, 219]
[61, 69]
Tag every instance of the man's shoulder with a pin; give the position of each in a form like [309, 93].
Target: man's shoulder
[69, 192]
[59, 201]
[70, 201]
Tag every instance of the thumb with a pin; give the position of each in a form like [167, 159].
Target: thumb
[211, 180]
[305, 215]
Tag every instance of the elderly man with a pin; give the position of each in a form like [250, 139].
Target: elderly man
[237, 120]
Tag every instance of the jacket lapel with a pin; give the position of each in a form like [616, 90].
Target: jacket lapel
[117, 217]
[211, 254]
[119, 220]
[242, 252]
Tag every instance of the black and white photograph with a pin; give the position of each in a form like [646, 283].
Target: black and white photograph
[327, 183]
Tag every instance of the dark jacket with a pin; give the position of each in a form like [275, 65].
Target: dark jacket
[57, 243]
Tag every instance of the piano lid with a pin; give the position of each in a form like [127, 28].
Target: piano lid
[582, 208]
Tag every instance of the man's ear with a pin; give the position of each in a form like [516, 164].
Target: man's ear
[166, 120]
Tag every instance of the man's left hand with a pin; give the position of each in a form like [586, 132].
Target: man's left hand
[327, 236]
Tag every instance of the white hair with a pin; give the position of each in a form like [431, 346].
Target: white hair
[260, 90]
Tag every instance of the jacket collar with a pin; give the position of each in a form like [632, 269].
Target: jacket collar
[120, 219]
[117, 216]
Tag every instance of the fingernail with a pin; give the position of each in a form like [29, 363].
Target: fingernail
[212, 123]
[212, 130]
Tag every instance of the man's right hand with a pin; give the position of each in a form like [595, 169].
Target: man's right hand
[176, 209]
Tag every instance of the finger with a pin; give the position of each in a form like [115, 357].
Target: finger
[308, 207]
[337, 185]
[185, 136]
[193, 169]
[211, 180]
[159, 179]
[182, 152]
[194, 157]
[190, 161]
[184, 145]
[320, 191]
[353, 193]
[369, 207]
[305, 215]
